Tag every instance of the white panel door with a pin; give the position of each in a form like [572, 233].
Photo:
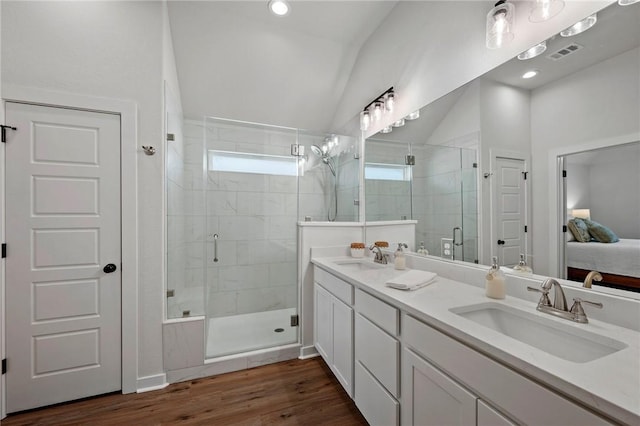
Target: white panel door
[510, 211]
[63, 230]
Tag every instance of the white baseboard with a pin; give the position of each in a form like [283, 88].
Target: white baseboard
[308, 352]
[151, 383]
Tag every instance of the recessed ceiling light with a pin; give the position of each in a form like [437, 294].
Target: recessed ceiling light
[626, 2]
[414, 115]
[279, 7]
[581, 26]
[530, 74]
[533, 52]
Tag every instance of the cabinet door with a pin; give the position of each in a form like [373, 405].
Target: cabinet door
[343, 344]
[323, 323]
[488, 416]
[432, 398]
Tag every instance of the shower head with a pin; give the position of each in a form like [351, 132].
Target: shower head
[323, 153]
[317, 150]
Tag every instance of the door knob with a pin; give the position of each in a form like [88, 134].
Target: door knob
[109, 268]
[500, 242]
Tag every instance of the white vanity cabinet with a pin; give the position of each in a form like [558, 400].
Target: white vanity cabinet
[436, 366]
[333, 325]
[377, 360]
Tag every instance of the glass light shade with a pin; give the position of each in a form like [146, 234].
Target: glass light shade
[581, 26]
[365, 121]
[377, 111]
[536, 50]
[581, 213]
[279, 7]
[387, 129]
[627, 2]
[414, 115]
[500, 25]
[545, 10]
[398, 123]
[389, 102]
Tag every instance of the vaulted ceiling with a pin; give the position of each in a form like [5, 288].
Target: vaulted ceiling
[236, 60]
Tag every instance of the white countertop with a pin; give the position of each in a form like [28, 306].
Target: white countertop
[610, 385]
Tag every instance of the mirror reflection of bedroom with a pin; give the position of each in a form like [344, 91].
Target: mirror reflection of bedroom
[603, 216]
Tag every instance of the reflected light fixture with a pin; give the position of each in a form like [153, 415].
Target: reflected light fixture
[545, 10]
[499, 28]
[627, 2]
[375, 109]
[536, 50]
[279, 7]
[387, 129]
[581, 213]
[413, 116]
[581, 26]
[530, 74]
[398, 123]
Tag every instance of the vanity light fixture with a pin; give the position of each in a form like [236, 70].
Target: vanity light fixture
[530, 74]
[536, 50]
[545, 10]
[279, 7]
[413, 116]
[499, 30]
[581, 26]
[627, 2]
[375, 109]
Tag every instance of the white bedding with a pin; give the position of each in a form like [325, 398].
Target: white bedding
[621, 258]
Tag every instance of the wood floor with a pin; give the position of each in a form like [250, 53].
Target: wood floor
[296, 392]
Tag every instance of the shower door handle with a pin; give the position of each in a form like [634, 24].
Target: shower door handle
[215, 247]
[455, 241]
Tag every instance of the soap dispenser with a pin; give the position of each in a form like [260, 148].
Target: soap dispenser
[400, 261]
[495, 281]
[422, 250]
[522, 267]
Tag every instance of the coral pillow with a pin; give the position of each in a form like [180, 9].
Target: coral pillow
[600, 232]
[579, 230]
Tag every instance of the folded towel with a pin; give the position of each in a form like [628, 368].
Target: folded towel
[412, 280]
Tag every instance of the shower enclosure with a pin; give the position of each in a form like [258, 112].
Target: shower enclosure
[433, 184]
[235, 192]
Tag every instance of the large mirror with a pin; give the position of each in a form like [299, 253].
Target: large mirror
[585, 95]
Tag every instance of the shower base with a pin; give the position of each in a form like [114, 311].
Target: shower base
[248, 332]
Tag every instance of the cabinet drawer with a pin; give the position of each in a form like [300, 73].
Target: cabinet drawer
[497, 384]
[379, 353]
[380, 313]
[487, 416]
[375, 403]
[341, 289]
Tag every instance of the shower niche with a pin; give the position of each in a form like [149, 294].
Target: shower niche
[235, 194]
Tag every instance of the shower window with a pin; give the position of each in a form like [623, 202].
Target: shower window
[377, 171]
[241, 162]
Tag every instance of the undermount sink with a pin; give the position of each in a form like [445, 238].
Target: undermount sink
[358, 264]
[567, 342]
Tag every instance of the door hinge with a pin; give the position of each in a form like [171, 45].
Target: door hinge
[525, 174]
[410, 160]
[564, 173]
[297, 150]
[171, 137]
[294, 320]
[4, 131]
[564, 228]
[475, 165]
[4, 366]
[525, 228]
[171, 293]
[4, 250]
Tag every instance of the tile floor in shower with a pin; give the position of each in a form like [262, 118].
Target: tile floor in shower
[248, 332]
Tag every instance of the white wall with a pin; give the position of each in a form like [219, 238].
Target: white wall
[112, 50]
[578, 196]
[590, 117]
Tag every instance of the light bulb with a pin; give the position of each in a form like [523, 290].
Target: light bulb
[580, 27]
[536, 50]
[377, 111]
[499, 25]
[279, 7]
[389, 102]
[414, 115]
[545, 10]
[365, 120]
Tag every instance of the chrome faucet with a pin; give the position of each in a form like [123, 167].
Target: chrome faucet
[591, 276]
[559, 305]
[379, 257]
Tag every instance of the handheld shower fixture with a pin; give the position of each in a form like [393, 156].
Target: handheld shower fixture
[323, 153]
